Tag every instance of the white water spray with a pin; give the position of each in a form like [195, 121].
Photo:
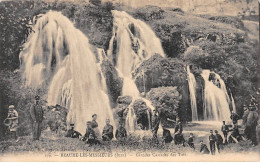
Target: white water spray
[216, 100]
[132, 42]
[60, 53]
[192, 90]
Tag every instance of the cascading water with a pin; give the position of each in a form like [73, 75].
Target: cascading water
[216, 99]
[233, 104]
[60, 53]
[132, 42]
[192, 90]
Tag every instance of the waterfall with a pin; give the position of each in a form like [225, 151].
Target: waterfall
[132, 42]
[216, 99]
[59, 55]
[131, 121]
[233, 104]
[192, 90]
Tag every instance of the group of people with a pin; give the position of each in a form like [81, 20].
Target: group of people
[92, 134]
[36, 115]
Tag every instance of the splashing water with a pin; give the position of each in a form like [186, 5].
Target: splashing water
[192, 90]
[233, 104]
[216, 100]
[132, 42]
[59, 53]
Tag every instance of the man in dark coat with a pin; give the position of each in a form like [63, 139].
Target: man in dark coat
[178, 137]
[234, 117]
[203, 148]
[90, 136]
[155, 125]
[107, 133]
[212, 141]
[121, 133]
[219, 140]
[250, 119]
[225, 131]
[36, 112]
[167, 137]
[72, 133]
[191, 141]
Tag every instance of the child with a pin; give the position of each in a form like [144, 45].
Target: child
[191, 141]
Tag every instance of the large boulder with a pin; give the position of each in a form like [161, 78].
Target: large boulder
[141, 110]
[166, 100]
[159, 71]
[143, 113]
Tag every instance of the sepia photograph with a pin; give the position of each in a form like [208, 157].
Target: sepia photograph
[129, 80]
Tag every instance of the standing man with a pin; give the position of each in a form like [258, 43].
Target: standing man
[225, 131]
[212, 140]
[155, 125]
[178, 137]
[13, 117]
[36, 112]
[219, 140]
[107, 133]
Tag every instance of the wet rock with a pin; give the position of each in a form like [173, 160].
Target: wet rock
[143, 113]
[158, 71]
[122, 103]
[113, 81]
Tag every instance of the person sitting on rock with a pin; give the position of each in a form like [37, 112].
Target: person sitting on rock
[90, 136]
[107, 133]
[178, 137]
[191, 141]
[203, 148]
[121, 133]
[167, 137]
[219, 140]
[71, 133]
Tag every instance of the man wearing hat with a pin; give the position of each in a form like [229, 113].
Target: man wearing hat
[13, 117]
[225, 131]
[219, 140]
[121, 132]
[72, 133]
[212, 140]
[203, 148]
[107, 133]
[36, 112]
[250, 120]
[155, 125]
[90, 136]
[178, 136]
[234, 117]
